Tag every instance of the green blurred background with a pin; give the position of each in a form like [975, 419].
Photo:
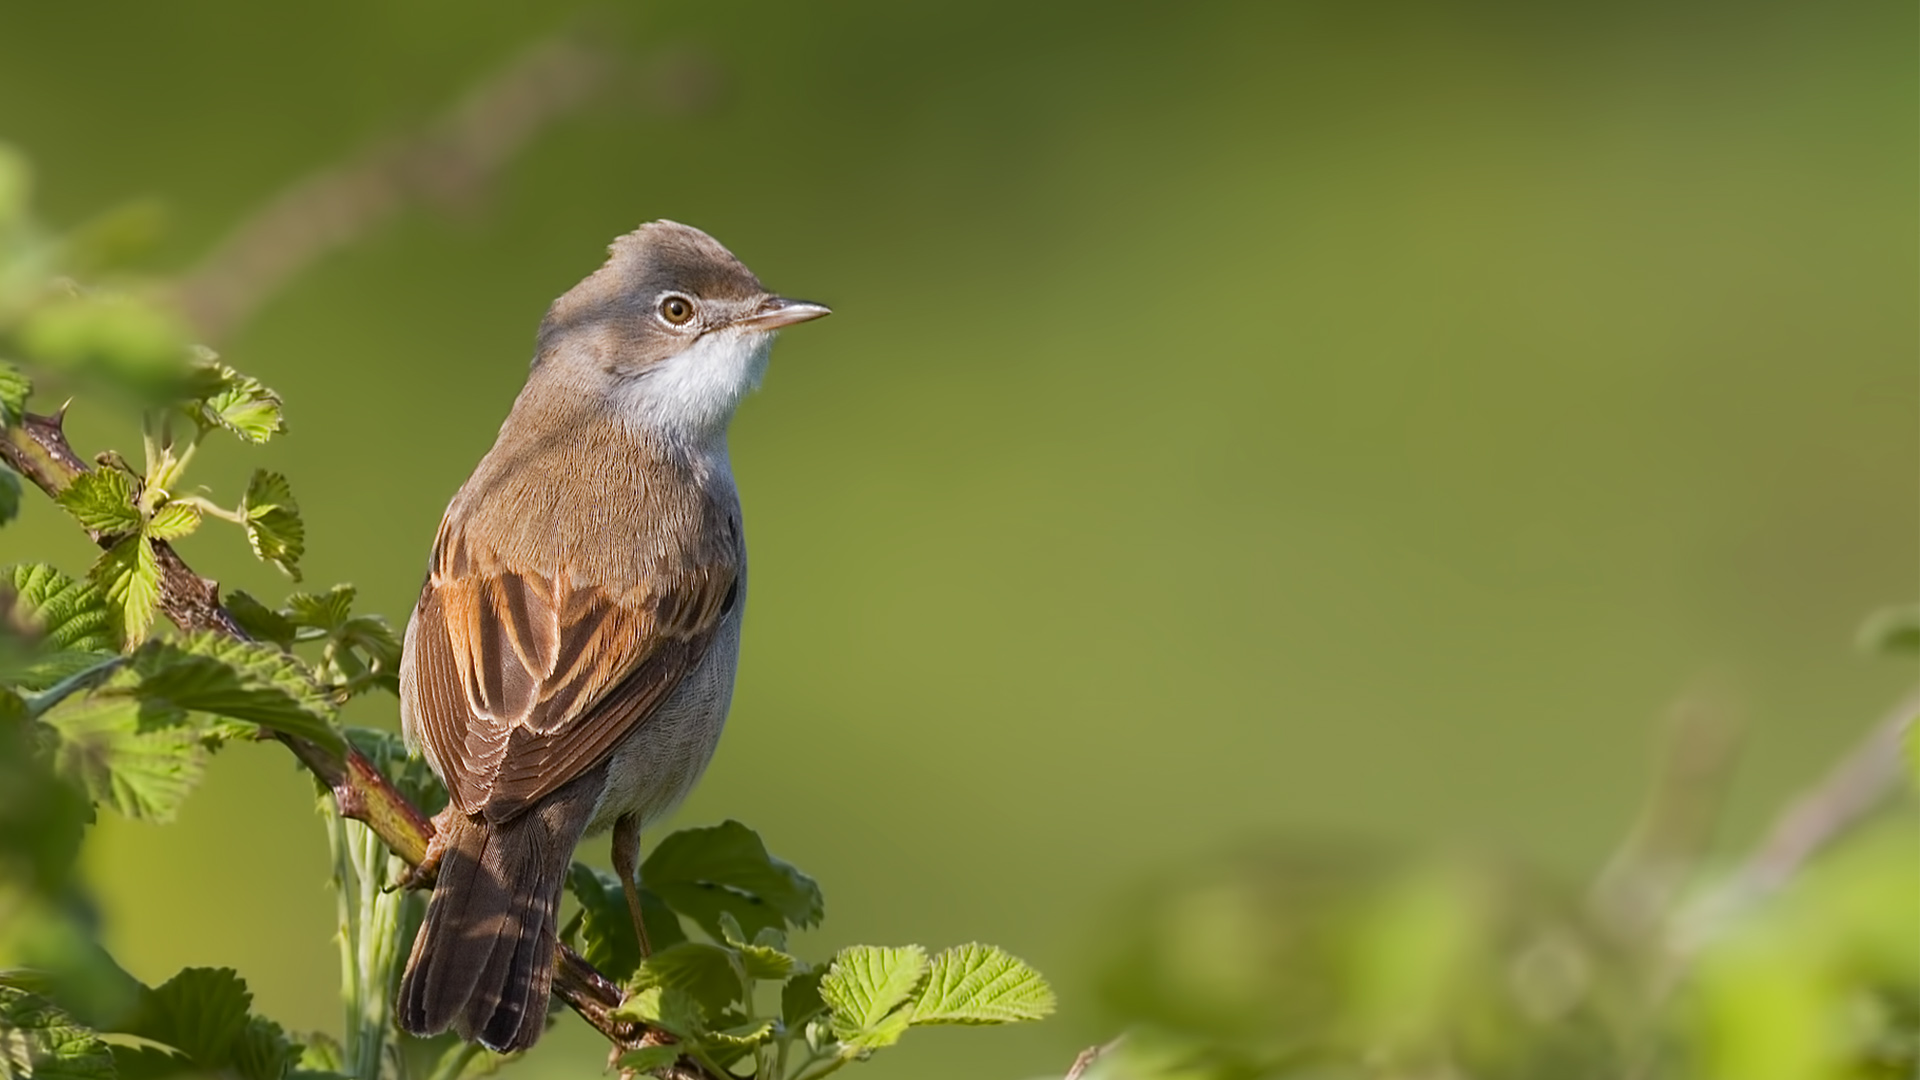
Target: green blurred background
[1237, 418]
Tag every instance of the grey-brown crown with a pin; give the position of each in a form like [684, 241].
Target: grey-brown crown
[658, 257]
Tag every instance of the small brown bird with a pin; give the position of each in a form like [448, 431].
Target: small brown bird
[570, 662]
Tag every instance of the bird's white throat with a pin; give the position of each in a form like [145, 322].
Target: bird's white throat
[692, 395]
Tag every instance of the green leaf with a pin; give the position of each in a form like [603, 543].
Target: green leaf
[703, 872]
[864, 985]
[648, 1058]
[243, 680]
[328, 611]
[264, 1052]
[102, 500]
[883, 1032]
[39, 1040]
[274, 527]
[70, 614]
[202, 1012]
[1893, 631]
[149, 1063]
[604, 931]
[51, 627]
[14, 389]
[703, 970]
[9, 495]
[173, 521]
[763, 958]
[42, 821]
[136, 344]
[671, 1008]
[134, 756]
[740, 1036]
[241, 405]
[130, 579]
[45, 669]
[260, 621]
[981, 984]
[800, 1000]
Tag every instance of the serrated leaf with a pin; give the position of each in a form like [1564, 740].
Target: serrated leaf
[173, 521]
[14, 390]
[759, 961]
[740, 1036]
[648, 1058]
[241, 405]
[703, 970]
[863, 986]
[202, 1012]
[243, 680]
[9, 495]
[149, 1063]
[39, 1040]
[800, 1000]
[884, 1032]
[102, 500]
[263, 1051]
[703, 872]
[642, 1004]
[71, 614]
[670, 1008]
[134, 756]
[51, 627]
[129, 578]
[274, 527]
[981, 984]
[261, 622]
[322, 1053]
[44, 669]
[327, 611]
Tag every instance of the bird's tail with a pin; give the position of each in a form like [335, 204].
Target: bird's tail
[482, 962]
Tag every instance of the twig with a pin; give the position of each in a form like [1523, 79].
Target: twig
[1852, 789]
[38, 449]
[1090, 1055]
[451, 162]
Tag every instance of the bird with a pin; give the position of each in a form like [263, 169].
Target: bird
[570, 661]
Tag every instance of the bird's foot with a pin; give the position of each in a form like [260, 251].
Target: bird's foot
[422, 876]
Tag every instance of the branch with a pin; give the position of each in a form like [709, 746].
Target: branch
[1852, 789]
[1090, 1055]
[450, 162]
[38, 449]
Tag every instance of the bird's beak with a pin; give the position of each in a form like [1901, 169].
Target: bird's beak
[778, 311]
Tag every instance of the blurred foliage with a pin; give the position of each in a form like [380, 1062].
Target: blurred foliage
[1322, 961]
[97, 710]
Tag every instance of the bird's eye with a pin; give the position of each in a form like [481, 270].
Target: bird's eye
[676, 309]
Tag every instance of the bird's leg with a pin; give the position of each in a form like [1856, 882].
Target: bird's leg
[626, 863]
[421, 876]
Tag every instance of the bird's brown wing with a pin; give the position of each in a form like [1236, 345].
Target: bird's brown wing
[523, 681]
